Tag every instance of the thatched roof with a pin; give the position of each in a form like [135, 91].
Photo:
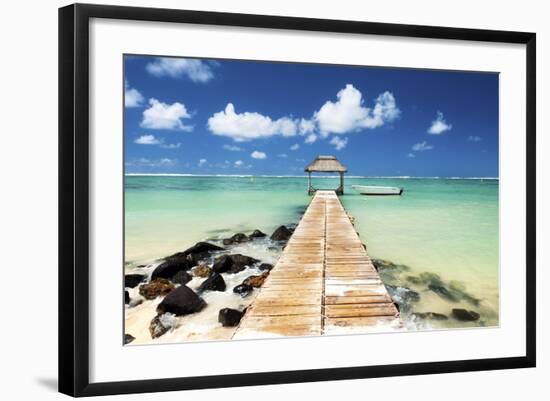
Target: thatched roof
[326, 164]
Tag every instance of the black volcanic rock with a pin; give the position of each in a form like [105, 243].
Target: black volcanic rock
[222, 264]
[132, 280]
[402, 295]
[229, 317]
[243, 290]
[236, 239]
[265, 267]
[196, 253]
[232, 263]
[281, 234]
[464, 315]
[443, 292]
[128, 338]
[170, 268]
[181, 301]
[182, 277]
[201, 247]
[240, 262]
[239, 237]
[257, 234]
[213, 283]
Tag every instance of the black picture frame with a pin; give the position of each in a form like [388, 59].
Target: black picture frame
[74, 198]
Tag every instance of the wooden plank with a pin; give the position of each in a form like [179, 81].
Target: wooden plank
[262, 322]
[289, 301]
[361, 310]
[362, 322]
[286, 310]
[357, 300]
[356, 291]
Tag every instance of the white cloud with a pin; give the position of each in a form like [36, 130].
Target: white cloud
[239, 163]
[474, 138]
[195, 70]
[166, 162]
[258, 155]
[282, 155]
[201, 162]
[439, 125]
[348, 113]
[152, 140]
[339, 143]
[165, 116]
[143, 162]
[232, 148]
[295, 147]
[422, 146]
[311, 138]
[306, 126]
[249, 125]
[170, 145]
[148, 140]
[412, 155]
[132, 97]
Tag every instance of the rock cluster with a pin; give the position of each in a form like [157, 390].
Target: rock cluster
[241, 237]
[170, 278]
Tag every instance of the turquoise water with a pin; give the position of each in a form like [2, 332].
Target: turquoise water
[448, 227]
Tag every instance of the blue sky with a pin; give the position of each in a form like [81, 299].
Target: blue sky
[243, 117]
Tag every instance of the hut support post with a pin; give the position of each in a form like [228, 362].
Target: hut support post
[309, 187]
[340, 190]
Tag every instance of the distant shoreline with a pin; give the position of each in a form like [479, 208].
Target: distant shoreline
[302, 176]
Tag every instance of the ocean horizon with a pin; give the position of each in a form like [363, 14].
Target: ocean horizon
[404, 177]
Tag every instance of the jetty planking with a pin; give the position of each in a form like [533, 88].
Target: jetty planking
[323, 283]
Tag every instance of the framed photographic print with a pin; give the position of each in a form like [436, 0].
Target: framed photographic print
[249, 199]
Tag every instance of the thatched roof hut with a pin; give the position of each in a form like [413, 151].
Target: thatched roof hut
[326, 164]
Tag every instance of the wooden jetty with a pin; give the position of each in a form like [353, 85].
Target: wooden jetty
[324, 282]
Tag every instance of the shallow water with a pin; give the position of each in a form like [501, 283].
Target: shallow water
[448, 227]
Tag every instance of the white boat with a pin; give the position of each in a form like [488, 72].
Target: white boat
[377, 190]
